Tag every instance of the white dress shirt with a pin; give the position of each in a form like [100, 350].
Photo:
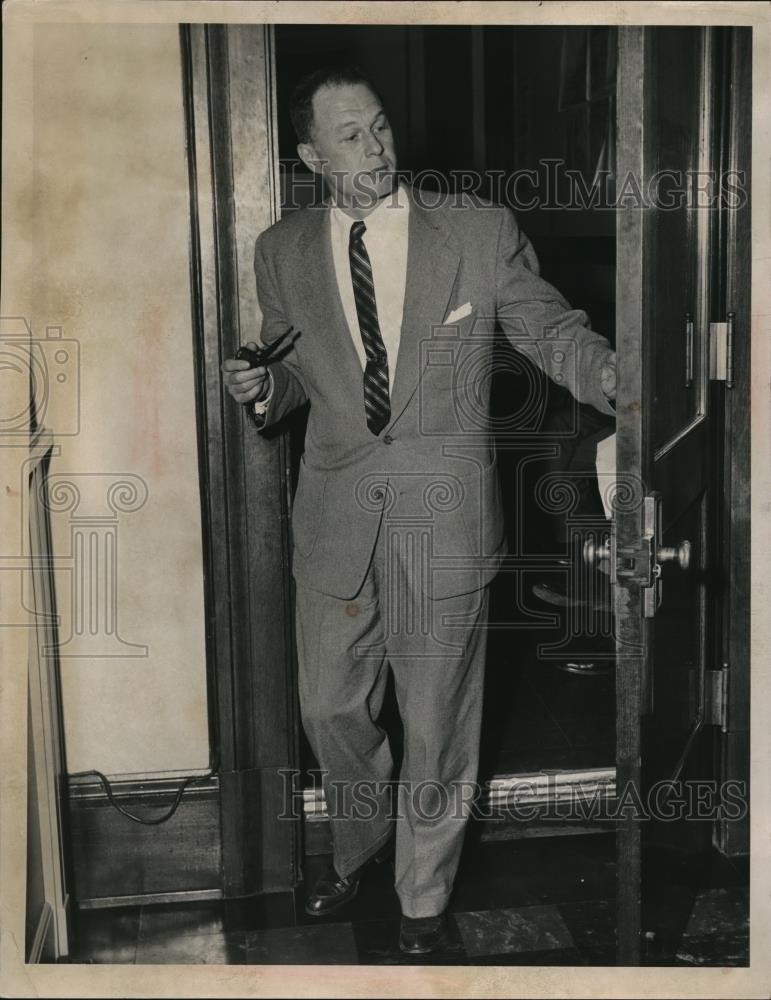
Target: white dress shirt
[386, 240]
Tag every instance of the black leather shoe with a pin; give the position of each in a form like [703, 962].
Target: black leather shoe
[422, 935]
[332, 891]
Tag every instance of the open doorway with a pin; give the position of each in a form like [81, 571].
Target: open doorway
[523, 116]
[539, 899]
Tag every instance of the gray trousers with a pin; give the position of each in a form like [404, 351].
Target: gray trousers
[436, 650]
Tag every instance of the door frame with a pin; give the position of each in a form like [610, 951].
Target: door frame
[47, 759]
[733, 735]
[228, 92]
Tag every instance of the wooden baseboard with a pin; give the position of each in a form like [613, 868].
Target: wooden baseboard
[116, 860]
[152, 899]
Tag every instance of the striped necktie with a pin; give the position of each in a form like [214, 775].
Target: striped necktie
[377, 404]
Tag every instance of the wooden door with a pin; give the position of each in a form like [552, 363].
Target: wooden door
[674, 367]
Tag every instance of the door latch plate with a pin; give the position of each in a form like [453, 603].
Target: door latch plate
[640, 564]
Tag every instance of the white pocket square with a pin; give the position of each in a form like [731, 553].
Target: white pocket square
[458, 314]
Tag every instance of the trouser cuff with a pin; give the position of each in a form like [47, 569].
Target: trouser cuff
[426, 905]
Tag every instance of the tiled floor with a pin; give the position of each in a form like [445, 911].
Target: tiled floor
[547, 901]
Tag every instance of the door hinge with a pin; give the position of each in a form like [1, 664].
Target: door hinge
[721, 351]
[716, 698]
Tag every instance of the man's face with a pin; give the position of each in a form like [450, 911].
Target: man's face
[352, 145]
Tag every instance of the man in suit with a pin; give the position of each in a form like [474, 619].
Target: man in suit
[397, 519]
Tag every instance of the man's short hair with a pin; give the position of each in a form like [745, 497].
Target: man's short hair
[301, 101]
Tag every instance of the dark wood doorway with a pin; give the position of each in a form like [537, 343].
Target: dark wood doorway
[681, 448]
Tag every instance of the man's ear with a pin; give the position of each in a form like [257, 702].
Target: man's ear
[310, 157]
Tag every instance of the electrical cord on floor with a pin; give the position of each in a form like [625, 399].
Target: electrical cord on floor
[214, 767]
[157, 820]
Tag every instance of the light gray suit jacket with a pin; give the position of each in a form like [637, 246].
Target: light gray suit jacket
[431, 472]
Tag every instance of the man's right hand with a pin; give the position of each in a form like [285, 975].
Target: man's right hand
[245, 384]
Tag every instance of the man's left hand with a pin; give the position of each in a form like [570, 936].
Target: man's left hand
[608, 377]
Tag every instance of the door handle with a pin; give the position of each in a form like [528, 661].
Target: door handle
[680, 554]
[641, 564]
[595, 552]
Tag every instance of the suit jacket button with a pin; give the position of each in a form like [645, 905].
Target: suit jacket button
[388, 439]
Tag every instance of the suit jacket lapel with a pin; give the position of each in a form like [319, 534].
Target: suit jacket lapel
[432, 265]
[318, 283]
